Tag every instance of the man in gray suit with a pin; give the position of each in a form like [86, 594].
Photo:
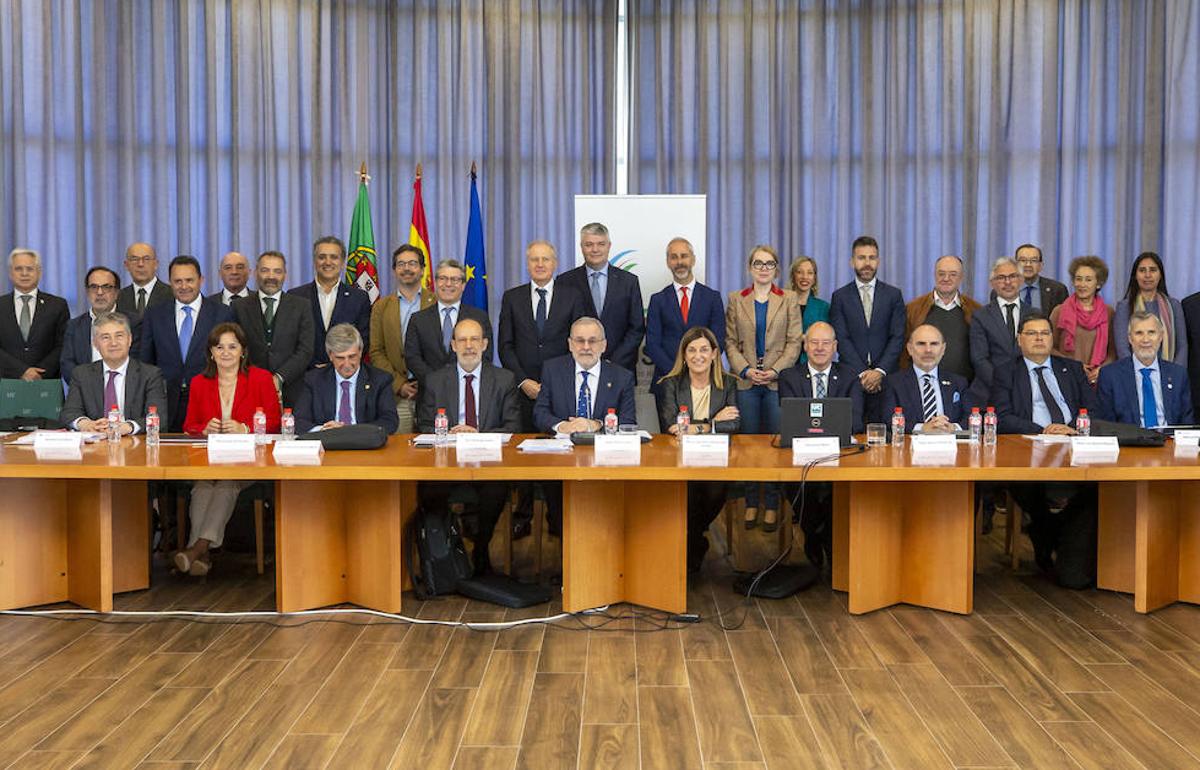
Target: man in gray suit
[994, 326]
[278, 326]
[115, 379]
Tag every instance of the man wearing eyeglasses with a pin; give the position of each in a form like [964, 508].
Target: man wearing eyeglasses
[389, 324]
[78, 348]
[1037, 291]
[146, 290]
[994, 327]
[427, 345]
[948, 309]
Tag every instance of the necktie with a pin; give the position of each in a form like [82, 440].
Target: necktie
[683, 303]
[821, 391]
[469, 416]
[185, 332]
[1056, 414]
[26, 319]
[539, 318]
[1029, 295]
[269, 314]
[1011, 320]
[1149, 403]
[141, 300]
[344, 405]
[110, 392]
[597, 293]
[928, 398]
[865, 292]
[584, 407]
[447, 328]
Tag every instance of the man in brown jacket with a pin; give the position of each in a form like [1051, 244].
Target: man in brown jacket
[389, 323]
[950, 311]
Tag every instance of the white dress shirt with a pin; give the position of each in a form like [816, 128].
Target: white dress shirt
[17, 304]
[326, 300]
[462, 392]
[119, 384]
[179, 314]
[593, 378]
[227, 297]
[533, 296]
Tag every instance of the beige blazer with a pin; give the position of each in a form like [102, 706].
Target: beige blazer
[387, 342]
[784, 332]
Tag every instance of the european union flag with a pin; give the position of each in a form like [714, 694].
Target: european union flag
[475, 292]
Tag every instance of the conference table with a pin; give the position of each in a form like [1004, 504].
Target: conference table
[904, 525]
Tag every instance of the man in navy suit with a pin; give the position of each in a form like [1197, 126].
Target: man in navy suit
[1142, 389]
[333, 301]
[933, 401]
[101, 285]
[868, 316]
[1037, 292]
[610, 294]
[428, 342]
[994, 326]
[174, 334]
[684, 304]
[347, 392]
[1041, 393]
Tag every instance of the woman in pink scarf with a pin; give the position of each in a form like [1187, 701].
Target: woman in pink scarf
[1083, 323]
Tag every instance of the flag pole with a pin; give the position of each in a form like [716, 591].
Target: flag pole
[362, 173]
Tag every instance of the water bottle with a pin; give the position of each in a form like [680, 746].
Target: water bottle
[287, 425]
[683, 420]
[260, 426]
[610, 422]
[152, 427]
[989, 427]
[441, 429]
[898, 428]
[1083, 424]
[114, 424]
[975, 425]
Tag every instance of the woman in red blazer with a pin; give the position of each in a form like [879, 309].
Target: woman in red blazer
[223, 399]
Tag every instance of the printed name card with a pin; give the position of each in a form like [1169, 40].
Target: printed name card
[231, 447]
[705, 450]
[1104, 449]
[1187, 438]
[618, 449]
[58, 445]
[298, 452]
[934, 442]
[805, 450]
[478, 447]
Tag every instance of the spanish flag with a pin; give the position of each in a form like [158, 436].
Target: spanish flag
[418, 231]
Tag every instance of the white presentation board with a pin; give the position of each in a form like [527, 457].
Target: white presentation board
[640, 227]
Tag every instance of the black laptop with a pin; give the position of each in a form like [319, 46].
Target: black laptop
[814, 418]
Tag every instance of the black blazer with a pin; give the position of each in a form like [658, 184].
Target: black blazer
[1013, 394]
[77, 346]
[1191, 316]
[374, 399]
[522, 349]
[352, 306]
[127, 302]
[423, 351]
[144, 388]
[556, 401]
[43, 349]
[904, 391]
[496, 399]
[796, 382]
[287, 350]
[992, 346]
[1052, 294]
[677, 392]
[622, 316]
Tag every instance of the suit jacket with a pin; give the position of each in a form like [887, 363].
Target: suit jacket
[353, 305]
[1120, 331]
[622, 317]
[387, 338]
[665, 325]
[1191, 315]
[374, 399]
[423, 350]
[557, 401]
[992, 346]
[1013, 393]
[144, 388]
[1118, 386]
[784, 332]
[1051, 291]
[495, 403]
[77, 346]
[43, 349]
[160, 347]
[904, 391]
[522, 349]
[876, 346]
[127, 300]
[287, 350]
[255, 389]
[677, 392]
[796, 382]
[917, 311]
[219, 296]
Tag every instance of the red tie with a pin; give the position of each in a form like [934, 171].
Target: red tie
[469, 402]
[683, 303]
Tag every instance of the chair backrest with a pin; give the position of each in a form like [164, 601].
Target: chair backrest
[39, 398]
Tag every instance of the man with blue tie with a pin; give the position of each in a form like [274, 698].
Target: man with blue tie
[1037, 291]
[1041, 393]
[610, 294]
[933, 401]
[347, 392]
[1142, 389]
[427, 343]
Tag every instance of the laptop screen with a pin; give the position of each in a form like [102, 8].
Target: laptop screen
[814, 417]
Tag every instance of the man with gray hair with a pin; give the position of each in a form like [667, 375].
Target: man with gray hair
[347, 392]
[993, 335]
[1144, 389]
[610, 294]
[427, 345]
[32, 322]
[114, 379]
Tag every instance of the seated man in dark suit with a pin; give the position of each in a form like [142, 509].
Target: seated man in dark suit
[477, 397]
[820, 377]
[101, 285]
[610, 294]
[278, 327]
[32, 322]
[348, 392]
[427, 343]
[933, 401]
[1041, 393]
[1143, 389]
[113, 379]
[331, 299]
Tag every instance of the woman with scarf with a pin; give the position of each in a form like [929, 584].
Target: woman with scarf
[1148, 291]
[1083, 323]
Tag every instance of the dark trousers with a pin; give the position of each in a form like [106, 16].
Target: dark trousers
[705, 499]
[1068, 537]
[815, 510]
[480, 514]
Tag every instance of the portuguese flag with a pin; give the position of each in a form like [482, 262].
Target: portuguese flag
[361, 270]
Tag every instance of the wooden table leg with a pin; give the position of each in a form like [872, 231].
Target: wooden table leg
[1116, 536]
[375, 514]
[130, 536]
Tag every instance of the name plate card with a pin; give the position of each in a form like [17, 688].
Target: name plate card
[705, 450]
[58, 445]
[805, 450]
[1187, 438]
[934, 449]
[478, 447]
[298, 452]
[231, 447]
[1104, 449]
[618, 449]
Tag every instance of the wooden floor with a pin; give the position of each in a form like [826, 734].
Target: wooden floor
[1038, 677]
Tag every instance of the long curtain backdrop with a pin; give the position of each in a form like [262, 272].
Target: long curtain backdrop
[202, 126]
[962, 127]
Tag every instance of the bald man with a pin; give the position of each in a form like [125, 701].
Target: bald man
[933, 398]
[234, 272]
[947, 308]
[145, 291]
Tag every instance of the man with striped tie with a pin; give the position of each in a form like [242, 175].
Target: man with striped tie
[933, 401]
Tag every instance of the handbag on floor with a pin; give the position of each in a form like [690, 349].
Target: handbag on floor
[437, 558]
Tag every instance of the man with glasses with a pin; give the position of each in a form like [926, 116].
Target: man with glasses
[949, 310]
[78, 348]
[389, 324]
[32, 322]
[427, 345]
[994, 327]
[331, 299]
[1037, 291]
[610, 294]
[146, 290]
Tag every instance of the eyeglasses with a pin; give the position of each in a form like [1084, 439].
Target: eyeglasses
[589, 341]
[408, 263]
[450, 279]
[101, 287]
[139, 260]
[1036, 333]
[1028, 261]
[1006, 277]
[760, 265]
